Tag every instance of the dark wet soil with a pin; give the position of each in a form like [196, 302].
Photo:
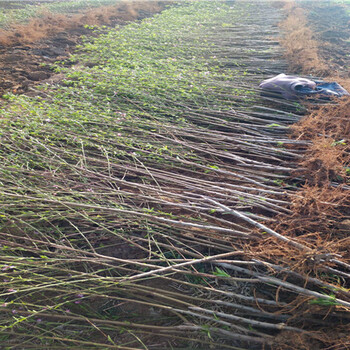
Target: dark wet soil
[332, 27]
[23, 66]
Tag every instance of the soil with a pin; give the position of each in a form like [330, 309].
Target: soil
[27, 51]
[331, 24]
[24, 66]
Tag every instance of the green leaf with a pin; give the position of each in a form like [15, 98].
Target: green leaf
[273, 125]
[220, 273]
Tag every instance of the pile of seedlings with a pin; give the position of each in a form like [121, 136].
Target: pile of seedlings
[147, 200]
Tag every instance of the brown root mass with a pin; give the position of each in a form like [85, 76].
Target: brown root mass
[322, 340]
[328, 156]
[300, 44]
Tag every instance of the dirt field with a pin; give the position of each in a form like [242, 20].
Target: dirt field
[332, 27]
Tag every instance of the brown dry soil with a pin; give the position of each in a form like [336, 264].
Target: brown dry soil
[27, 51]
